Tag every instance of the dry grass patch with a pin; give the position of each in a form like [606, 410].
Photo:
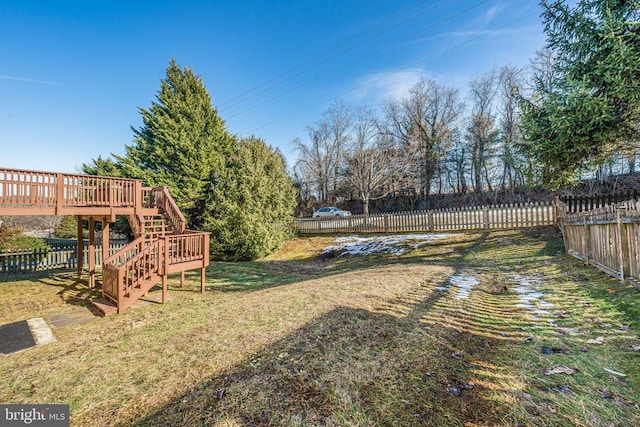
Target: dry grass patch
[380, 340]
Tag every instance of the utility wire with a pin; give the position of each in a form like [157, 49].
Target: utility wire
[387, 74]
[242, 98]
[450, 17]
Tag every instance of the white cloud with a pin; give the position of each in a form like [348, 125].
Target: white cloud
[490, 14]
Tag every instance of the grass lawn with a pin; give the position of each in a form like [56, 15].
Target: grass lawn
[522, 335]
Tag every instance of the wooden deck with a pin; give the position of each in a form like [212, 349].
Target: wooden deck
[162, 245]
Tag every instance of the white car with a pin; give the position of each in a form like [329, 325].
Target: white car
[331, 212]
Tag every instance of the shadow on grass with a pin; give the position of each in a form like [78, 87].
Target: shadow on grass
[67, 286]
[257, 275]
[351, 367]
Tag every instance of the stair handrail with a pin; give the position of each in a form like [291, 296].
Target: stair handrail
[142, 253]
[129, 251]
[136, 222]
[164, 201]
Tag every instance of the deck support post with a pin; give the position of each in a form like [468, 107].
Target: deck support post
[165, 267]
[92, 252]
[182, 279]
[105, 241]
[203, 275]
[164, 288]
[80, 248]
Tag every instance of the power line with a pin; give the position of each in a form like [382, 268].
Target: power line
[448, 18]
[315, 65]
[387, 74]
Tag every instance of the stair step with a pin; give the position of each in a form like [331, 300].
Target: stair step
[105, 307]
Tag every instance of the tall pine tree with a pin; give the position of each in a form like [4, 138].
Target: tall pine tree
[180, 140]
[250, 204]
[237, 190]
[591, 110]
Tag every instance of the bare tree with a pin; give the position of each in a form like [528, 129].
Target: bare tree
[373, 162]
[482, 132]
[337, 120]
[315, 166]
[424, 122]
[509, 80]
[321, 159]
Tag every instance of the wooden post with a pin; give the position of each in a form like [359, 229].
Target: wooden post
[621, 244]
[205, 262]
[587, 240]
[182, 279]
[138, 197]
[105, 239]
[59, 193]
[80, 248]
[485, 217]
[92, 252]
[105, 244]
[165, 270]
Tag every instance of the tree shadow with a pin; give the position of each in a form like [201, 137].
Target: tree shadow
[72, 290]
[409, 361]
[256, 275]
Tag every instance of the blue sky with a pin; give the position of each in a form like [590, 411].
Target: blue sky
[73, 74]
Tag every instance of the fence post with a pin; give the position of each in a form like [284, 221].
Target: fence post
[621, 245]
[587, 240]
[430, 220]
[485, 217]
[386, 223]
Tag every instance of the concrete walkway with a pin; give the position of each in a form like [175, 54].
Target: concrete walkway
[22, 335]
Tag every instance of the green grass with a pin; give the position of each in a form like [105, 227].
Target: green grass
[295, 340]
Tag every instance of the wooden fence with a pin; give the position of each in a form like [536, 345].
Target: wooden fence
[471, 218]
[607, 238]
[573, 204]
[57, 256]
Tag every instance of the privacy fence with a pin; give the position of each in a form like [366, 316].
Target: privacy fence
[460, 219]
[607, 238]
[59, 254]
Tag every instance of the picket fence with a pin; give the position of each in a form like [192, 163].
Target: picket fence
[574, 204]
[607, 238]
[520, 215]
[57, 255]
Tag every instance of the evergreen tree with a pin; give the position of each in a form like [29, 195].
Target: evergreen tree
[179, 142]
[67, 228]
[249, 210]
[102, 167]
[591, 110]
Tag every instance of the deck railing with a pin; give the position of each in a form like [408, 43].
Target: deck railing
[47, 189]
[122, 280]
[141, 261]
[188, 247]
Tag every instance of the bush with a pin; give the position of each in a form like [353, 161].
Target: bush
[68, 228]
[13, 239]
[251, 203]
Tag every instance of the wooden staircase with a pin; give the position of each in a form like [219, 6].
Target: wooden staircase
[162, 244]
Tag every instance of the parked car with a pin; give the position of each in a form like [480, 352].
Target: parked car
[331, 211]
